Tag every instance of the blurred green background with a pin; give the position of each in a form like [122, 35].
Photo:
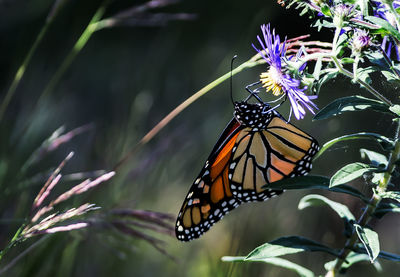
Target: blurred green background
[124, 81]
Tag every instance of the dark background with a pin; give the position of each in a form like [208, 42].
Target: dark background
[124, 81]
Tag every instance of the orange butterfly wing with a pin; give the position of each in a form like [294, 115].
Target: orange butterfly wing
[261, 149]
[210, 197]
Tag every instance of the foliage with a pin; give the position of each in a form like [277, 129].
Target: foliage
[359, 27]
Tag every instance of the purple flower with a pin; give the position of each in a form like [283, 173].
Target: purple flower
[276, 78]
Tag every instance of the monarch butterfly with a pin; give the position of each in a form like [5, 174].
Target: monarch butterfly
[257, 147]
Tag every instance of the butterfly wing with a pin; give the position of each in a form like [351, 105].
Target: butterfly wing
[210, 197]
[261, 157]
[261, 149]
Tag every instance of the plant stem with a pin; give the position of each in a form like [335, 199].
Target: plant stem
[361, 82]
[371, 207]
[255, 60]
[355, 66]
[21, 70]
[160, 125]
[13, 241]
[316, 56]
[335, 40]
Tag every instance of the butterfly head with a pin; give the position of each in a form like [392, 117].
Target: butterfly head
[253, 115]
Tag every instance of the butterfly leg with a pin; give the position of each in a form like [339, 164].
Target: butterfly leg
[253, 92]
[273, 108]
[290, 115]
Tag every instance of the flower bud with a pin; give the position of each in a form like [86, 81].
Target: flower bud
[341, 12]
[361, 40]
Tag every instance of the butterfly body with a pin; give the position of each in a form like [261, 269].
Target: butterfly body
[256, 148]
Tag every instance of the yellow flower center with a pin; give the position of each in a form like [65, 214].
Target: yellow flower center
[271, 80]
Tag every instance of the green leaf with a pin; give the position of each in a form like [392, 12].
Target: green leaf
[390, 77]
[364, 74]
[384, 208]
[301, 271]
[377, 58]
[395, 109]
[381, 66]
[314, 182]
[385, 142]
[350, 104]
[324, 76]
[370, 240]
[349, 172]
[347, 60]
[351, 259]
[288, 245]
[351, 2]
[326, 10]
[317, 69]
[395, 195]
[377, 177]
[386, 26]
[375, 158]
[319, 200]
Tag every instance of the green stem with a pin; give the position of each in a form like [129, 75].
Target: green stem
[81, 42]
[316, 56]
[154, 131]
[355, 66]
[13, 241]
[361, 82]
[394, 157]
[335, 40]
[21, 70]
[370, 209]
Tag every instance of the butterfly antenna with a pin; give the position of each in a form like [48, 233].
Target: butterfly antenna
[234, 57]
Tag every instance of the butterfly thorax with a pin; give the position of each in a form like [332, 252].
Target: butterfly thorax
[253, 115]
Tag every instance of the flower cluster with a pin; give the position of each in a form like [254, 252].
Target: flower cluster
[358, 34]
